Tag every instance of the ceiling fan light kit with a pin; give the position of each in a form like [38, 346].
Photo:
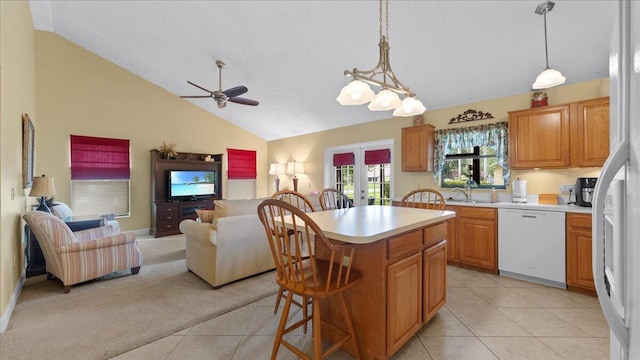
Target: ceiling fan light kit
[549, 77]
[222, 97]
[358, 91]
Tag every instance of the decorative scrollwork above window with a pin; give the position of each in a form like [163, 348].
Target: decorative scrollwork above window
[471, 115]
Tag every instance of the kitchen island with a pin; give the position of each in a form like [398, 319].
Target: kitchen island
[401, 255]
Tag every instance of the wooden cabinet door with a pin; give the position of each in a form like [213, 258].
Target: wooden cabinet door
[404, 305]
[579, 256]
[435, 280]
[417, 148]
[477, 239]
[539, 138]
[592, 123]
[452, 242]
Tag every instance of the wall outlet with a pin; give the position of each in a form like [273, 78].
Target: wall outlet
[566, 188]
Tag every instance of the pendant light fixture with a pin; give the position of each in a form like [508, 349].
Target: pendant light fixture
[549, 77]
[358, 92]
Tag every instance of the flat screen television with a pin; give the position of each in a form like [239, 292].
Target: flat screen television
[191, 184]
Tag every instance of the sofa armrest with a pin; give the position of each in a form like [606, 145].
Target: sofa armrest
[198, 230]
[104, 242]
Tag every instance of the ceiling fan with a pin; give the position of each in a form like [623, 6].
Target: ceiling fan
[221, 97]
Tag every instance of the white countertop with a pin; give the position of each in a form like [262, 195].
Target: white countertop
[525, 206]
[367, 224]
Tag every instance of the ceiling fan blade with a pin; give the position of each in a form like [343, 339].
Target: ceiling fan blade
[199, 87]
[236, 91]
[195, 96]
[243, 101]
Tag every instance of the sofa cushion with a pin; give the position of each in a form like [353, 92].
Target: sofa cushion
[224, 208]
[206, 216]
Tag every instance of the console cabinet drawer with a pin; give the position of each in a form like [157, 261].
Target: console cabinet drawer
[403, 245]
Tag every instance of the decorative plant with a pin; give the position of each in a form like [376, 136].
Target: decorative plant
[169, 150]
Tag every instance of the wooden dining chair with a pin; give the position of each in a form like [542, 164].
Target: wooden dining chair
[331, 198]
[303, 203]
[294, 198]
[424, 199]
[309, 276]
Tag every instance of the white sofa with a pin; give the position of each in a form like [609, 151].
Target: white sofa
[233, 247]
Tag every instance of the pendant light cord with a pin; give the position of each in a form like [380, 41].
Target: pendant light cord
[546, 51]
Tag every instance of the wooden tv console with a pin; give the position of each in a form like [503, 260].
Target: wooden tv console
[167, 214]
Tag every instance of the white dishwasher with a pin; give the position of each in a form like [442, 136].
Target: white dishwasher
[531, 245]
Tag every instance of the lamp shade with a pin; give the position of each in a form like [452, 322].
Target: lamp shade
[385, 100]
[43, 187]
[295, 168]
[548, 79]
[410, 107]
[276, 169]
[355, 93]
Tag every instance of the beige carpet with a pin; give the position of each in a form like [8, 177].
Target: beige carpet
[107, 317]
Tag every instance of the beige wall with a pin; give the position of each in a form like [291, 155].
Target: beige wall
[81, 93]
[17, 97]
[310, 148]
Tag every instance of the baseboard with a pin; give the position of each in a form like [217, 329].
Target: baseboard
[140, 232]
[6, 316]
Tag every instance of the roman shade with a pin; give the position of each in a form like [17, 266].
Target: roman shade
[373, 157]
[344, 159]
[242, 164]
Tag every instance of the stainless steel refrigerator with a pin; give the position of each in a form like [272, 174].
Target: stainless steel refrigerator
[616, 205]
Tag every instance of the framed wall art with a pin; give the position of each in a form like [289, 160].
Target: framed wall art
[28, 147]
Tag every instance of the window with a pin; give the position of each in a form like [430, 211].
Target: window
[242, 164]
[476, 154]
[100, 174]
[344, 167]
[378, 164]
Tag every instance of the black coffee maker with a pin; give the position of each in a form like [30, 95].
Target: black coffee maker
[584, 190]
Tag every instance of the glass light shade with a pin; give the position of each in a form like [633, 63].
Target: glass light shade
[355, 93]
[548, 79]
[43, 187]
[295, 168]
[276, 169]
[385, 100]
[410, 107]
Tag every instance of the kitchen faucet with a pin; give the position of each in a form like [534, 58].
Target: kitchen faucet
[467, 194]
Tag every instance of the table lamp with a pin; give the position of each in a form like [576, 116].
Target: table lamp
[43, 187]
[295, 168]
[277, 169]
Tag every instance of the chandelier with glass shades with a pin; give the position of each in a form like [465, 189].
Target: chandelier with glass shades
[549, 77]
[358, 92]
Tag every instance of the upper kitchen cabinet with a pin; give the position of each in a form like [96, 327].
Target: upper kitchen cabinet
[539, 138]
[592, 128]
[418, 143]
[563, 136]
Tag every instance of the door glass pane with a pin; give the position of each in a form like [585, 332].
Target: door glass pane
[378, 184]
[344, 179]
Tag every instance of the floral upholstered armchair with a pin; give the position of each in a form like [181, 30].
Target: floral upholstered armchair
[75, 257]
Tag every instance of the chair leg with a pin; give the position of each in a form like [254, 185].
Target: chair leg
[280, 296]
[349, 323]
[305, 311]
[135, 270]
[317, 335]
[281, 325]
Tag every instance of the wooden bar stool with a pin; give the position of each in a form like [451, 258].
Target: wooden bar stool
[301, 273]
[424, 199]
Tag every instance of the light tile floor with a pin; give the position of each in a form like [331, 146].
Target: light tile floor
[486, 317]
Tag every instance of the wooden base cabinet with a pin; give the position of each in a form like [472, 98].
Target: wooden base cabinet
[477, 238]
[403, 286]
[579, 256]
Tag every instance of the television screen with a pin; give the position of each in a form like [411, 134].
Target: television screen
[188, 183]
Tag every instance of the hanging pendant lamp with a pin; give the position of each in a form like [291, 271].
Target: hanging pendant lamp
[549, 77]
[358, 91]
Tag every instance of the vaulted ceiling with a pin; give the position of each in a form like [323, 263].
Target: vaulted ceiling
[292, 54]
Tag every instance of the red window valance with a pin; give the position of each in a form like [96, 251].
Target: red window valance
[94, 158]
[382, 156]
[242, 164]
[344, 159]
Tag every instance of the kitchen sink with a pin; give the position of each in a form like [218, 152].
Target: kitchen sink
[468, 202]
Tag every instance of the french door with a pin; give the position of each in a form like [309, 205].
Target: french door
[362, 171]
